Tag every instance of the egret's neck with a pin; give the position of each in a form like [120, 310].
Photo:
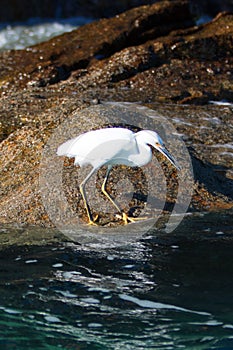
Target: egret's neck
[143, 156]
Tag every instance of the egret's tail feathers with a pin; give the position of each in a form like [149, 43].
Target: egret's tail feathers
[65, 148]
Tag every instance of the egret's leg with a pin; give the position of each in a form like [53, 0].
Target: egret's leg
[122, 215]
[103, 189]
[83, 193]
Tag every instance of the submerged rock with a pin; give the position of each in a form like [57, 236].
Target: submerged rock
[153, 55]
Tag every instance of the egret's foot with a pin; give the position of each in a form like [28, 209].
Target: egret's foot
[93, 222]
[127, 219]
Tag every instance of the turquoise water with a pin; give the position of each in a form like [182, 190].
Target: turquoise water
[164, 292]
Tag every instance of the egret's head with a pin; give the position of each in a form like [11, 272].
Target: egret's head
[153, 139]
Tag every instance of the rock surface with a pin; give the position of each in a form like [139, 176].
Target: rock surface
[154, 55]
[18, 10]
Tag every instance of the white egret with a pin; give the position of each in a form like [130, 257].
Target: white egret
[111, 146]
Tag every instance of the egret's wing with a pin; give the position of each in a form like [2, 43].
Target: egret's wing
[66, 148]
[98, 147]
[115, 151]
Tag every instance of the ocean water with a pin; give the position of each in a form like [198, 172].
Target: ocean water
[162, 292]
[19, 35]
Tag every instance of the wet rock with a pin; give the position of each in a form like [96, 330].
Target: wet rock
[210, 7]
[18, 10]
[153, 55]
[184, 67]
[53, 61]
[15, 10]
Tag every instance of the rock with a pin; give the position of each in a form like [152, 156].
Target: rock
[54, 60]
[18, 10]
[154, 55]
[15, 10]
[211, 7]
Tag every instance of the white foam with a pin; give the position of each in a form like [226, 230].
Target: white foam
[20, 35]
[156, 305]
[221, 103]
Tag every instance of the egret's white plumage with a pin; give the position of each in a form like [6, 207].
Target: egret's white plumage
[111, 146]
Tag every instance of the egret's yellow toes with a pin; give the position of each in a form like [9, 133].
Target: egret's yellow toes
[127, 219]
[93, 222]
[96, 217]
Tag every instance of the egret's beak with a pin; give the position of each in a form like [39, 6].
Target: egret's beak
[168, 155]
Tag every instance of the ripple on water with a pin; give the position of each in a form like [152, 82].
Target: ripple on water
[144, 296]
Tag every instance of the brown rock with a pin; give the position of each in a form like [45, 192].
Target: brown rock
[54, 60]
[145, 55]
